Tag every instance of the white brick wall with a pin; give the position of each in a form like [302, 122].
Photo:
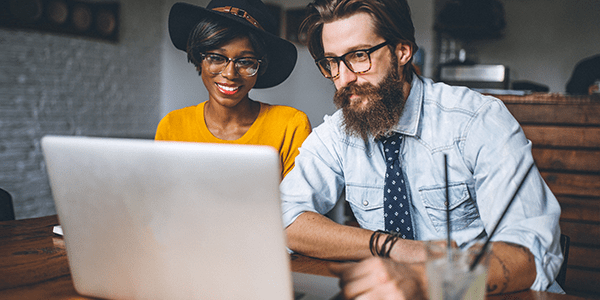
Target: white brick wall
[53, 84]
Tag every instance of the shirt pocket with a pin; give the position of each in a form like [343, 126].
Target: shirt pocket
[463, 209]
[367, 204]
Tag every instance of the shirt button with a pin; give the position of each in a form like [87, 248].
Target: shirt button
[365, 202]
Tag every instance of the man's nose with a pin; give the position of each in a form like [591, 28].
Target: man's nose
[346, 76]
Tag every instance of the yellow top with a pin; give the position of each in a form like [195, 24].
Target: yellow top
[281, 127]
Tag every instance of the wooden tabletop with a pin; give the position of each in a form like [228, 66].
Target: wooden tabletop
[33, 264]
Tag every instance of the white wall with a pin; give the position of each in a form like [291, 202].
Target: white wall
[545, 39]
[306, 89]
[423, 19]
[181, 85]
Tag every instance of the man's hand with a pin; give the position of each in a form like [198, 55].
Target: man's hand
[378, 278]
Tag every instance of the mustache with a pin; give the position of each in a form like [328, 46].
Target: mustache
[341, 98]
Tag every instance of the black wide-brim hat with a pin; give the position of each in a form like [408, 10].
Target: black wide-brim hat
[281, 54]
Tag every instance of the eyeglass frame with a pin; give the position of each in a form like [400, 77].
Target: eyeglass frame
[234, 60]
[348, 65]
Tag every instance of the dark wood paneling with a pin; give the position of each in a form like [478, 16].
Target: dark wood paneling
[582, 233]
[573, 184]
[569, 160]
[583, 280]
[584, 114]
[583, 267]
[578, 208]
[567, 136]
[580, 256]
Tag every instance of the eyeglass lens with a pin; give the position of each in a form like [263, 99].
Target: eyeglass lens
[357, 61]
[245, 66]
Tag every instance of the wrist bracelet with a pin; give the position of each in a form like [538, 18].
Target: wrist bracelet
[375, 241]
[386, 248]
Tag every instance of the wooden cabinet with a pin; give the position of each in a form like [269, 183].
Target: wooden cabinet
[565, 132]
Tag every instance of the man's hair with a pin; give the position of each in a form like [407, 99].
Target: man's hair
[391, 18]
[211, 33]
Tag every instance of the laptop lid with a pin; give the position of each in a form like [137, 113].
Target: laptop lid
[169, 220]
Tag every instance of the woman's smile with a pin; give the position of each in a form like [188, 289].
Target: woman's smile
[227, 89]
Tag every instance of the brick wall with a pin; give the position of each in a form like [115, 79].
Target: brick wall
[52, 84]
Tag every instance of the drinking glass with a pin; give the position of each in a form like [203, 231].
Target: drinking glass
[449, 277]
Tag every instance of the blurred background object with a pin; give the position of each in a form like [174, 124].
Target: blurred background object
[585, 79]
[89, 19]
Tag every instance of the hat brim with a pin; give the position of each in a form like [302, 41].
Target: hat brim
[281, 54]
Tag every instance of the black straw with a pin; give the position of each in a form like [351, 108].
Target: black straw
[485, 245]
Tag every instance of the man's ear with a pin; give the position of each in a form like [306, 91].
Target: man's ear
[404, 52]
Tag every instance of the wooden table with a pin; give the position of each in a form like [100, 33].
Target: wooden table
[33, 264]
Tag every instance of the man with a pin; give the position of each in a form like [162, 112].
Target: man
[365, 47]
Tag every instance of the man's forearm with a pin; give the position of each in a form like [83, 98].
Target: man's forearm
[511, 268]
[315, 235]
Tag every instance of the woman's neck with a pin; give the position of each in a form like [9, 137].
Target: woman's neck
[231, 123]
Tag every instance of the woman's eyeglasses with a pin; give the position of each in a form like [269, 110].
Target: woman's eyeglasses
[245, 66]
[358, 62]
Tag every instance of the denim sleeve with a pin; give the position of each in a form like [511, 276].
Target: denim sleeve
[317, 181]
[499, 154]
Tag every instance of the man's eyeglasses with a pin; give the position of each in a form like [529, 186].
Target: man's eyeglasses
[245, 66]
[358, 61]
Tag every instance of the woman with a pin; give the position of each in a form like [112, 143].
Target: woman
[233, 47]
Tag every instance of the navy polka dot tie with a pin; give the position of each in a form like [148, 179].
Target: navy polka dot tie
[396, 209]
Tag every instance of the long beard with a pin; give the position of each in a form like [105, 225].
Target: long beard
[382, 110]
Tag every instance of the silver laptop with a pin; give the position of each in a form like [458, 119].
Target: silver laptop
[171, 220]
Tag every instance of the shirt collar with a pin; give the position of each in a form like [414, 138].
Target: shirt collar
[411, 114]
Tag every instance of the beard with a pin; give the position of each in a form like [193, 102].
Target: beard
[378, 108]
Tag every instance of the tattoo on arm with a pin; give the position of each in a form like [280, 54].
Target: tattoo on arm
[501, 286]
[498, 287]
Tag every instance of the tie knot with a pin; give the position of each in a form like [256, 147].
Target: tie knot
[391, 147]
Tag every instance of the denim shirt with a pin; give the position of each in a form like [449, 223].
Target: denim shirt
[487, 154]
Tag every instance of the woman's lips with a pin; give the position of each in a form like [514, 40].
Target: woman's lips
[227, 89]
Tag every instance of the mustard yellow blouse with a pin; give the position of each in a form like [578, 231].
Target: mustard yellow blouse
[281, 127]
